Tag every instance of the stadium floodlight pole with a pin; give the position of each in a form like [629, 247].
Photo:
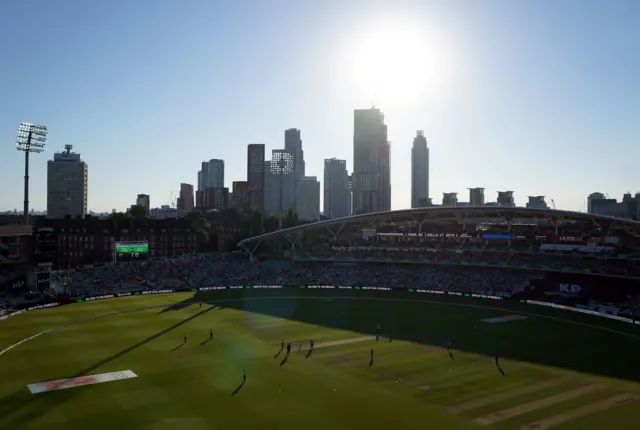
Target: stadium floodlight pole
[281, 166]
[31, 139]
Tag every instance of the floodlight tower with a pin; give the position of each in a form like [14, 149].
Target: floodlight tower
[31, 138]
[282, 164]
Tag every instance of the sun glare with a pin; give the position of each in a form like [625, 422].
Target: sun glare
[396, 64]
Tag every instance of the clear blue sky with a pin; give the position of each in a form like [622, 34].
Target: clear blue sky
[539, 97]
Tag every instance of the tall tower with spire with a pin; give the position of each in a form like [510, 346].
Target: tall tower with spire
[419, 171]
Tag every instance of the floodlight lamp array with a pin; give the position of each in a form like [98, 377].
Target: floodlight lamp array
[31, 137]
[30, 148]
[25, 126]
[35, 129]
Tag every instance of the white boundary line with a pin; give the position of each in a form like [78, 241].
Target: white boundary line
[9, 348]
[384, 299]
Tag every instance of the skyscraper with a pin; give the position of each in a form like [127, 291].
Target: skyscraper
[336, 189]
[591, 198]
[203, 176]
[210, 176]
[144, 200]
[270, 185]
[419, 171]
[308, 199]
[385, 170]
[281, 182]
[241, 194]
[256, 175]
[186, 197]
[200, 190]
[215, 176]
[216, 198]
[371, 162]
[67, 184]
[293, 145]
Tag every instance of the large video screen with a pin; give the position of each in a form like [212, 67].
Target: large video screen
[131, 251]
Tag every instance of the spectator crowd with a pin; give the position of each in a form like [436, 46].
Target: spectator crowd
[467, 255]
[481, 271]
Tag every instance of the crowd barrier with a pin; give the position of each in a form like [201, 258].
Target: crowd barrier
[319, 287]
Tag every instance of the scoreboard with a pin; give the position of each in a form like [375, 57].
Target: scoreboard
[131, 251]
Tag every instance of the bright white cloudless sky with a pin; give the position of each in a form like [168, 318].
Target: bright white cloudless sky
[539, 97]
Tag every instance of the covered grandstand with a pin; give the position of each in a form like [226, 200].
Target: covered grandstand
[469, 220]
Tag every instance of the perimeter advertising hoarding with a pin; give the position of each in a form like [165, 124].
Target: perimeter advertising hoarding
[578, 286]
[43, 281]
[16, 283]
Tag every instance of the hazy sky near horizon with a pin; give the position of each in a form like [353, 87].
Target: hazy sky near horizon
[538, 97]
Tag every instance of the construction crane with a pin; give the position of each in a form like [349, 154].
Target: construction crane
[172, 200]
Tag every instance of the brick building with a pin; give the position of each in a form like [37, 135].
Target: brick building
[91, 240]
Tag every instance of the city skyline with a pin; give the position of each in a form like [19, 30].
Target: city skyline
[212, 176]
[520, 94]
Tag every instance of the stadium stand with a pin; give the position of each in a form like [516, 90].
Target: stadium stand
[577, 263]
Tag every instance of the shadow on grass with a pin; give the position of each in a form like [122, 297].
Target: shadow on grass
[540, 340]
[285, 359]
[197, 306]
[500, 370]
[12, 407]
[278, 353]
[237, 390]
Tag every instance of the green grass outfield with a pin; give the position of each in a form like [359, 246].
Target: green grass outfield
[561, 370]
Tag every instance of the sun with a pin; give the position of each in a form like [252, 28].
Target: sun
[396, 63]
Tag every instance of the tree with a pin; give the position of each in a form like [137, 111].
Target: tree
[138, 211]
[290, 220]
[120, 217]
[256, 224]
[270, 224]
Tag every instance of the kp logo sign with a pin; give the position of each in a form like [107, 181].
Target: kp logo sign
[570, 289]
